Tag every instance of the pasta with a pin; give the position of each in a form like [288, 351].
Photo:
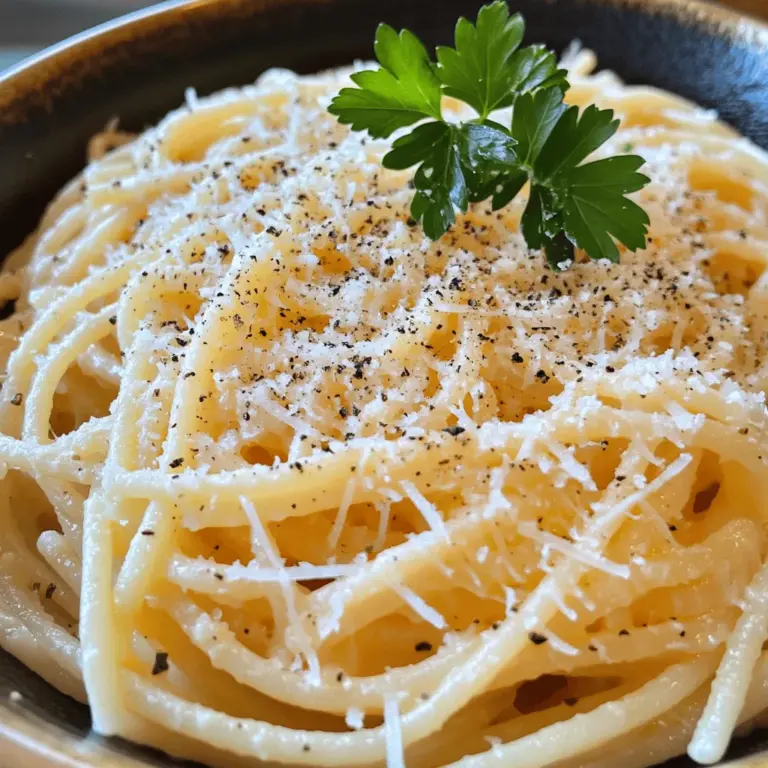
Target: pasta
[284, 481]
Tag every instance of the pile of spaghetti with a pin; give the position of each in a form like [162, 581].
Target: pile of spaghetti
[282, 479]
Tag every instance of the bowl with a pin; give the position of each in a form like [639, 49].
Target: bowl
[138, 67]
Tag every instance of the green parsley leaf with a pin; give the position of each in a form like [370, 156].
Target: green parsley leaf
[487, 152]
[439, 179]
[535, 68]
[415, 147]
[403, 92]
[573, 138]
[487, 145]
[532, 222]
[507, 187]
[596, 210]
[588, 200]
[533, 120]
[452, 158]
[477, 70]
[542, 226]
[486, 70]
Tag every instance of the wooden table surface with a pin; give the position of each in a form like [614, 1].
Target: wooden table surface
[755, 7]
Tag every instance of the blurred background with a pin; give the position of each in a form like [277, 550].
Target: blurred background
[29, 25]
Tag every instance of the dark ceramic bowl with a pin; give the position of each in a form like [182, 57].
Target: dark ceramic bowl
[138, 67]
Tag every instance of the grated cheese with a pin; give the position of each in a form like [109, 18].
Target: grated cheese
[420, 606]
[427, 509]
[354, 718]
[580, 554]
[393, 734]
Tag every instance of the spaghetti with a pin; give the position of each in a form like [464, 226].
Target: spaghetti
[284, 480]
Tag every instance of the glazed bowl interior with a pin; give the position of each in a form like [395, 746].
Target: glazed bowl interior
[137, 69]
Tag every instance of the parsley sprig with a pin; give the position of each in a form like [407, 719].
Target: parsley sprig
[571, 203]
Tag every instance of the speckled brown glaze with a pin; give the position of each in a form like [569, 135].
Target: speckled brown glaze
[137, 69]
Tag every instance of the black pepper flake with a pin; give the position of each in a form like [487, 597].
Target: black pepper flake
[537, 638]
[517, 358]
[306, 748]
[570, 702]
[49, 590]
[113, 319]
[423, 647]
[147, 533]
[176, 463]
[343, 412]
[623, 632]
[161, 663]
[454, 431]
[16, 399]
[218, 576]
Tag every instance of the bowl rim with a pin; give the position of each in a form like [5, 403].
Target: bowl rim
[737, 24]
[58, 748]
